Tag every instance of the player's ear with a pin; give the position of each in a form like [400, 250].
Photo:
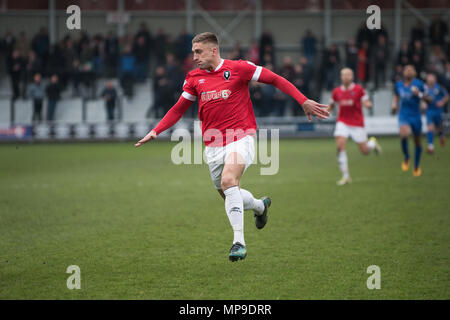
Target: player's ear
[215, 50]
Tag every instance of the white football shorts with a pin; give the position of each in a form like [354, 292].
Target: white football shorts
[358, 134]
[215, 156]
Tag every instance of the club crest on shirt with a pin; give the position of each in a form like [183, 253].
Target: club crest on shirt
[227, 75]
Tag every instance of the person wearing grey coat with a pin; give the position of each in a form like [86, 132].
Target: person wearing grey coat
[36, 91]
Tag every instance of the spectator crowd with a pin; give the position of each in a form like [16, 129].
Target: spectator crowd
[77, 64]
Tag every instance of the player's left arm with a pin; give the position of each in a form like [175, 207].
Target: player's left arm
[419, 90]
[441, 103]
[330, 106]
[367, 103]
[332, 101]
[365, 100]
[421, 93]
[309, 106]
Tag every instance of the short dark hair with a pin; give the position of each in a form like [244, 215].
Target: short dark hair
[206, 37]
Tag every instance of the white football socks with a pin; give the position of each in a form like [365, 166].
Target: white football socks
[343, 163]
[250, 203]
[234, 207]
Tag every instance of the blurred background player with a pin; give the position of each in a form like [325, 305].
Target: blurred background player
[350, 121]
[407, 95]
[436, 97]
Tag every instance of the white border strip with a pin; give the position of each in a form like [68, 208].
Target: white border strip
[257, 73]
[188, 96]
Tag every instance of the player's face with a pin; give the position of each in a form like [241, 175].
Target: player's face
[204, 54]
[346, 77]
[431, 80]
[409, 72]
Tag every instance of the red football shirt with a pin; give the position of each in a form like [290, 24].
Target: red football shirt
[225, 108]
[349, 101]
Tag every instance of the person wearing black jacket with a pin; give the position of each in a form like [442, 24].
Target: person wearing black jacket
[438, 31]
[351, 56]
[380, 57]
[160, 47]
[417, 56]
[111, 54]
[53, 91]
[331, 61]
[15, 66]
[141, 52]
[403, 55]
[163, 92]
[109, 94]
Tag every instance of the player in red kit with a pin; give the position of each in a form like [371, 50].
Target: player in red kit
[228, 126]
[350, 121]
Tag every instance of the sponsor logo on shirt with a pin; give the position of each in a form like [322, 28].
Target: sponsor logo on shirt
[346, 102]
[214, 95]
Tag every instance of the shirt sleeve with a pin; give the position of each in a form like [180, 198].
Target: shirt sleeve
[364, 95]
[421, 86]
[396, 89]
[189, 91]
[173, 115]
[249, 71]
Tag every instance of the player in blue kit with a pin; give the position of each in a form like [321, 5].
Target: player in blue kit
[436, 97]
[407, 95]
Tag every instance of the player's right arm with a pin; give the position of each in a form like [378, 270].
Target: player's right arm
[175, 113]
[395, 101]
[395, 104]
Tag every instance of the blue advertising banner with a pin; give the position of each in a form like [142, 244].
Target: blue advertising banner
[16, 132]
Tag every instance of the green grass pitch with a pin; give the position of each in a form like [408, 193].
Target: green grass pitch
[140, 227]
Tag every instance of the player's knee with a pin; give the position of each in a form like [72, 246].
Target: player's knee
[228, 181]
[404, 134]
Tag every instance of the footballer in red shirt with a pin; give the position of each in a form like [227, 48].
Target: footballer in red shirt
[228, 126]
[350, 98]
